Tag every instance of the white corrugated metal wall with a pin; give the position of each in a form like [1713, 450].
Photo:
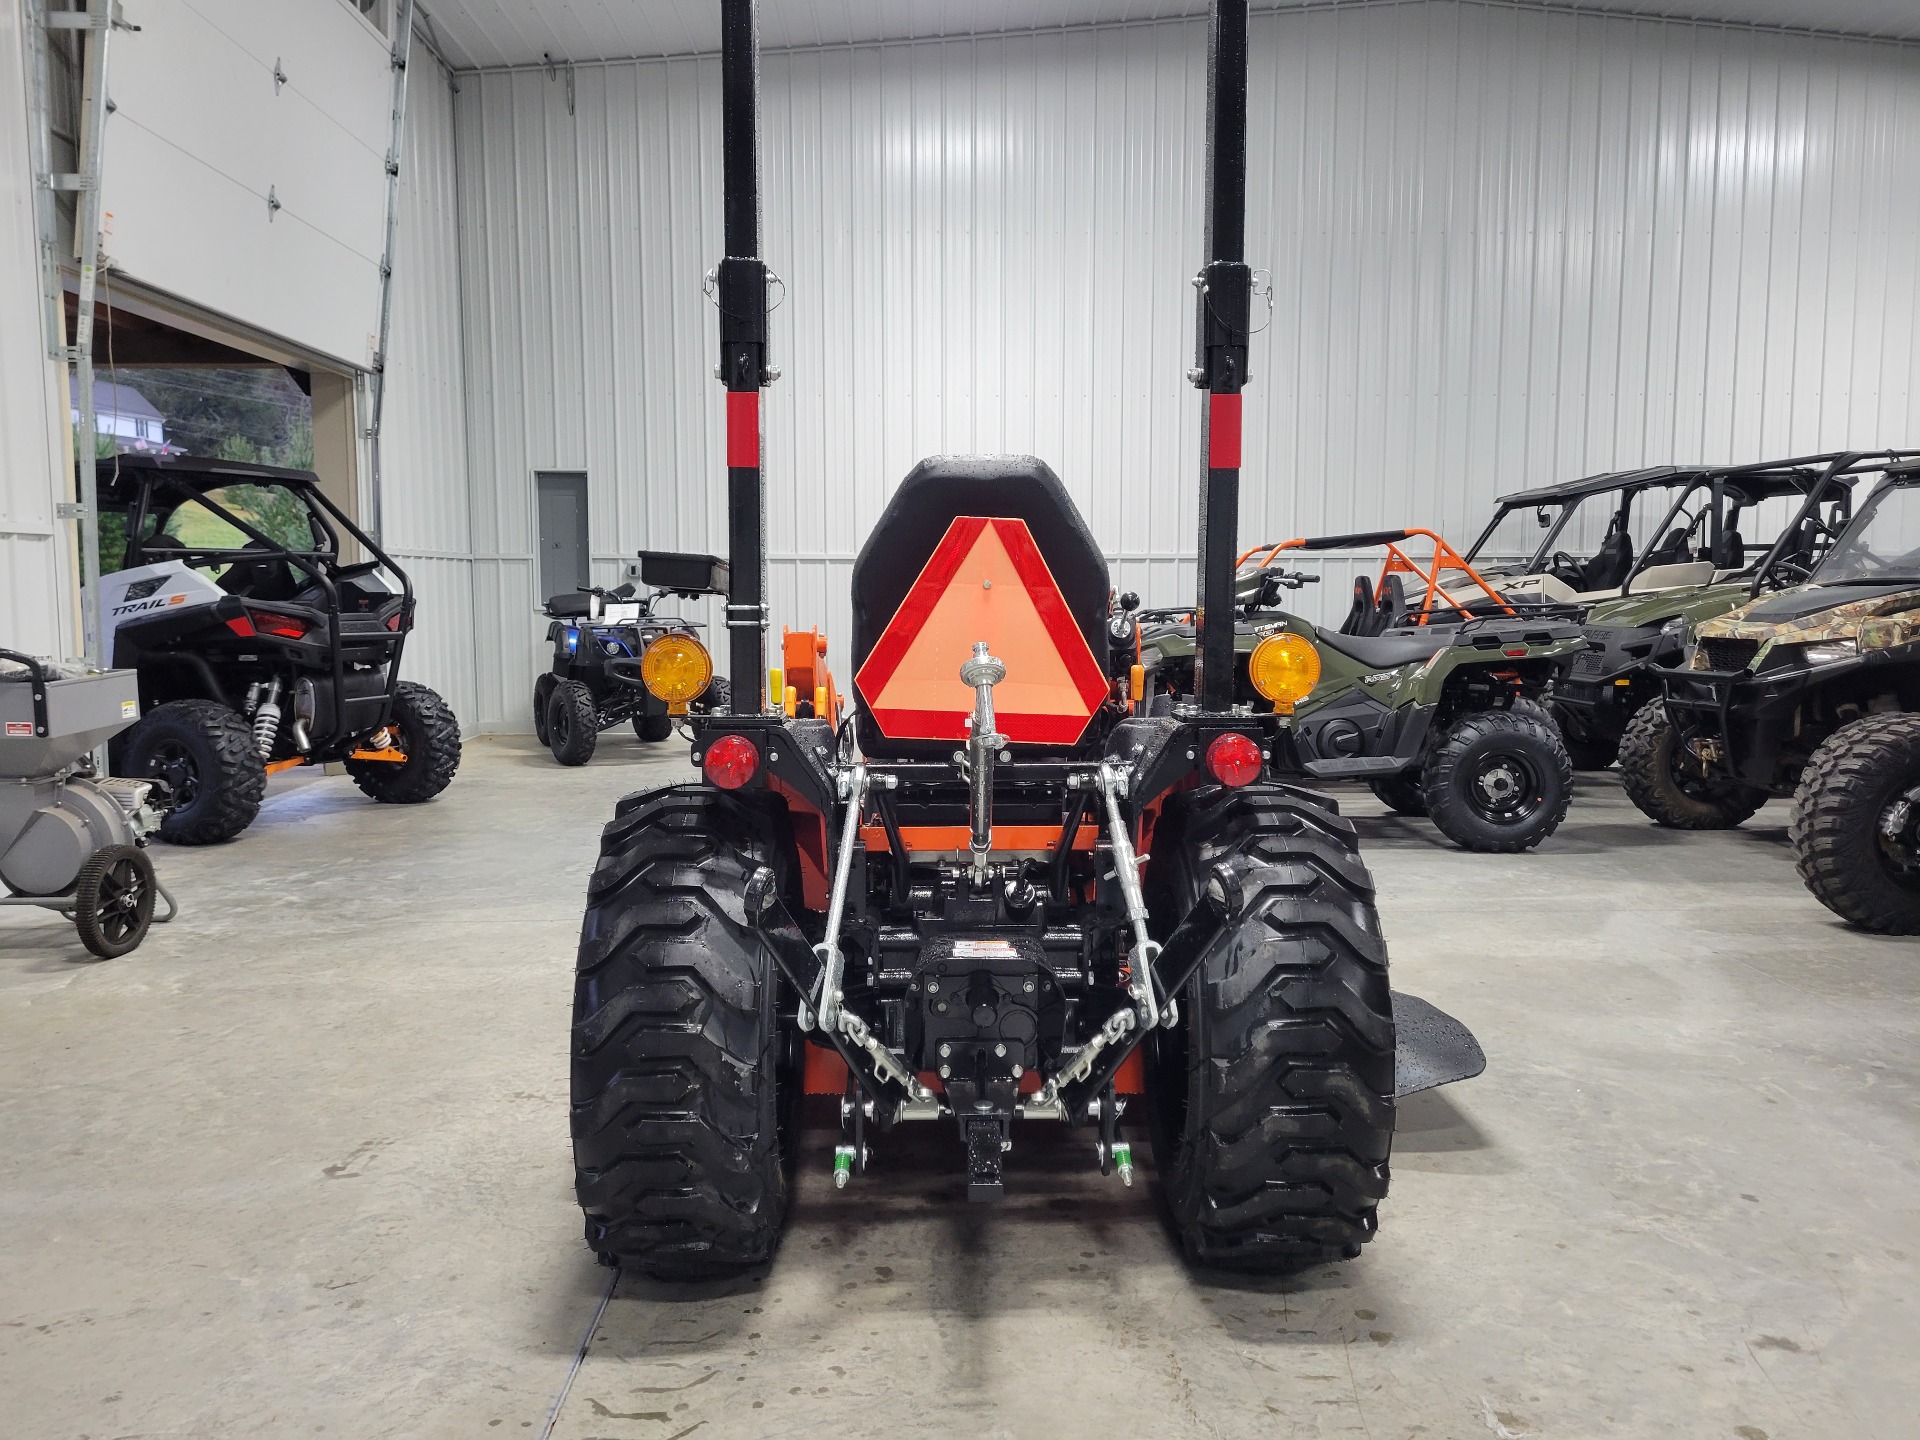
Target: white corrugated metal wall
[424, 493]
[36, 560]
[1507, 247]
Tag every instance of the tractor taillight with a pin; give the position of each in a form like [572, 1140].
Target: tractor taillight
[731, 761]
[1234, 760]
[287, 627]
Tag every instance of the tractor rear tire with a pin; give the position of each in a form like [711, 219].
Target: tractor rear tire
[205, 751]
[683, 1074]
[542, 696]
[1400, 793]
[1665, 796]
[428, 733]
[1848, 791]
[653, 728]
[573, 723]
[1499, 781]
[1271, 1103]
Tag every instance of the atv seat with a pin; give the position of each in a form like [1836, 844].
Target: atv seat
[1389, 652]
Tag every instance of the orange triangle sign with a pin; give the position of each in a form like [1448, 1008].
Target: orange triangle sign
[985, 580]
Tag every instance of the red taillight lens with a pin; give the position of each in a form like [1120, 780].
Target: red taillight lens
[731, 761]
[242, 626]
[287, 627]
[394, 620]
[1234, 760]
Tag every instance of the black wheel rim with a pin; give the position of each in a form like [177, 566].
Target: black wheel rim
[173, 762]
[123, 893]
[1503, 788]
[561, 724]
[1897, 834]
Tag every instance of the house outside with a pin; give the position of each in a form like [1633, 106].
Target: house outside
[126, 415]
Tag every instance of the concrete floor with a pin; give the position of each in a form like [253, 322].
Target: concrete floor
[299, 1167]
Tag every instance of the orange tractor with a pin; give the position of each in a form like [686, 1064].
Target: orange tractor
[994, 893]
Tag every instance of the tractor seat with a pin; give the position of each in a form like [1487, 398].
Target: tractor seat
[1388, 652]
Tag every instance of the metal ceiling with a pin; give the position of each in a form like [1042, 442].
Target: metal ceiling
[489, 33]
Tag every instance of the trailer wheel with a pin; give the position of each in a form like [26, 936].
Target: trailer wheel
[1856, 824]
[430, 737]
[204, 751]
[1400, 793]
[1271, 1103]
[542, 695]
[1655, 779]
[684, 1075]
[573, 723]
[1499, 781]
[113, 900]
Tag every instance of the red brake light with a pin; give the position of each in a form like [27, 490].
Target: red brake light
[1515, 654]
[393, 620]
[242, 625]
[287, 627]
[1234, 760]
[731, 761]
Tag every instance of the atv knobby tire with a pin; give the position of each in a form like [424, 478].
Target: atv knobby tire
[429, 735]
[1665, 795]
[1864, 876]
[716, 699]
[653, 728]
[573, 723]
[677, 1057]
[1499, 781]
[1400, 793]
[1588, 752]
[205, 751]
[542, 694]
[1271, 1104]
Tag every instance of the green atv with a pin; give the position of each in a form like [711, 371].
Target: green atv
[1445, 721]
[1813, 693]
[1702, 567]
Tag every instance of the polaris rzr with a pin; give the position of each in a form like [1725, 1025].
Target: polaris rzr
[989, 895]
[259, 646]
[602, 641]
[1812, 692]
[1707, 562]
[1442, 718]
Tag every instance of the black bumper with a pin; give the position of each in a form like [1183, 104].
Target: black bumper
[1751, 715]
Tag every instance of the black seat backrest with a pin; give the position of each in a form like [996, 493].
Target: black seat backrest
[1360, 613]
[271, 577]
[1673, 550]
[935, 494]
[1611, 562]
[1390, 605]
[1733, 552]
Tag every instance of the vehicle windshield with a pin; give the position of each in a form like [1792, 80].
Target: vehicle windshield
[1883, 543]
[1513, 538]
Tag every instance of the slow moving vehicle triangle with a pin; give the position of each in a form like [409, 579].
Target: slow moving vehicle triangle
[986, 580]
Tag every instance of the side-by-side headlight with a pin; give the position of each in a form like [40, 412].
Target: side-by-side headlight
[1828, 652]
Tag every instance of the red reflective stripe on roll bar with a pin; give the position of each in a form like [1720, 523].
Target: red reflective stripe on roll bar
[1223, 432]
[743, 429]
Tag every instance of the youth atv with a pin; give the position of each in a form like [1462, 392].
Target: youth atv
[987, 894]
[603, 641]
[1812, 692]
[1704, 567]
[258, 647]
[1444, 720]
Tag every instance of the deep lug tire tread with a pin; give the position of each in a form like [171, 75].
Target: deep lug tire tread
[232, 776]
[542, 695]
[1275, 1155]
[573, 723]
[1400, 793]
[1646, 774]
[430, 735]
[1517, 729]
[1849, 781]
[675, 1074]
